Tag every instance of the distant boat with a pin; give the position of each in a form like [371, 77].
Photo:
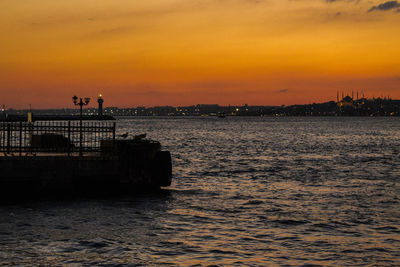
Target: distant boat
[221, 115]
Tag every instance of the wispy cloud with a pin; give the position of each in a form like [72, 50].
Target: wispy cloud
[106, 33]
[385, 6]
[332, 1]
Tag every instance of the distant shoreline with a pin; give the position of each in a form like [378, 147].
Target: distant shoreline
[346, 107]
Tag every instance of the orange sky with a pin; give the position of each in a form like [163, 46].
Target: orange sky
[183, 52]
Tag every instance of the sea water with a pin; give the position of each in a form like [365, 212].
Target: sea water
[257, 191]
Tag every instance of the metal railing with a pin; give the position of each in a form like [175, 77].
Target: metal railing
[67, 137]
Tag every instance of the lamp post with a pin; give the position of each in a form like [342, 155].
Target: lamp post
[100, 100]
[82, 102]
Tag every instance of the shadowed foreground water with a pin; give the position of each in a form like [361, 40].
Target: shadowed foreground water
[246, 191]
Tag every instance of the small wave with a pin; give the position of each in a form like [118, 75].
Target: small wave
[250, 170]
[324, 226]
[273, 210]
[253, 202]
[294, 238]
[262, 236]
[360, 221]
[377, 249]
[352, 251]
[193, 192]
[218, 251]
[390, 229]
[290, 222]
[69, 249]
[240, 197]
[247, 239]
[63, 227]
[93, 244]
[227, 210]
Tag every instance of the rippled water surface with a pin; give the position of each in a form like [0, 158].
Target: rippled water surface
[246, 191]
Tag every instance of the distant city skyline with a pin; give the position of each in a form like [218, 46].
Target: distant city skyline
[345, 105]
[94, 102]
[183, 52]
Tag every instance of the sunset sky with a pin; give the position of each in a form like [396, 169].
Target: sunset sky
[183, 52]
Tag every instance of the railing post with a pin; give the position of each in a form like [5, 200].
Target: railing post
[69, 138]
[80, 134]
[113, 145]
[8, 137]
[30, 134]
[2, 137]
[113, 131]
[20, 138]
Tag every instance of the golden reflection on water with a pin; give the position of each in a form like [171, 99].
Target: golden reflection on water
[246, 191]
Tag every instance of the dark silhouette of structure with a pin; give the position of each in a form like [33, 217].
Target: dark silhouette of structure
[350, 104]
[40, 159]
[81, 103]
[100, 100]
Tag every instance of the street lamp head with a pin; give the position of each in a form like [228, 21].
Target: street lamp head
[75, 99]
[87, 100]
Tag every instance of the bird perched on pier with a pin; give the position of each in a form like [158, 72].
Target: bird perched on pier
[140, 136]
[125, 135]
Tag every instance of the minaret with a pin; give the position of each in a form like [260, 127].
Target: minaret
[100, 101]
[337, 97]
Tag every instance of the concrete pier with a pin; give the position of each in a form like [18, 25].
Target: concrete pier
[121, 166]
